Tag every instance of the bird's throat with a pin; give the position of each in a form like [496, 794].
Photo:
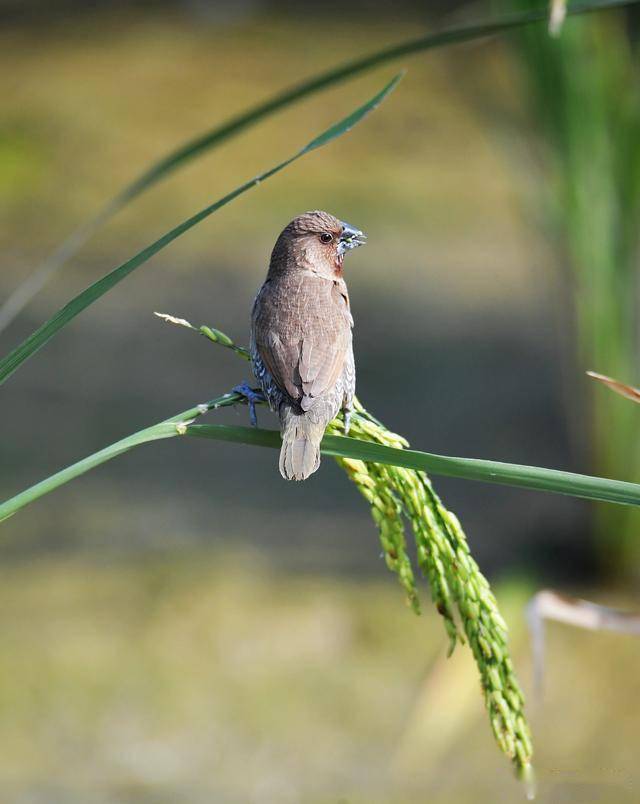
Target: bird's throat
[337, 265]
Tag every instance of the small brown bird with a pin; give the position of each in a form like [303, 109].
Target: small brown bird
[301, 345]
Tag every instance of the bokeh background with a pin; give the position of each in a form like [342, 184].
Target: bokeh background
[181, 625]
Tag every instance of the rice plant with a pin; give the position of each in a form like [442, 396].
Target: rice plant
[389, 475]
[459, 590]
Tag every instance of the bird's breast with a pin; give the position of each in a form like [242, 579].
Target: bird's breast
[297, 301]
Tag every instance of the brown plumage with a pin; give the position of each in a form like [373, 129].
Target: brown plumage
[301, 345]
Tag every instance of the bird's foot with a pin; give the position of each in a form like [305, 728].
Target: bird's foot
[253, 396]
[347, 420]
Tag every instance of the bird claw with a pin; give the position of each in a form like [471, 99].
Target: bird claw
[347, 421]
[253, 396]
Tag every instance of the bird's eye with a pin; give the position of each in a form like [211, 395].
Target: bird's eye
[326, 237]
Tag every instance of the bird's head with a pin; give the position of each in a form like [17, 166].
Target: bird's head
[316, 242]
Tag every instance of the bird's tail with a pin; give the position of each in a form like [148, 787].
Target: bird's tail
[301, 437]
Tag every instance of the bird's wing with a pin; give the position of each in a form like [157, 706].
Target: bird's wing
[281, 356]
[321, 360]
[306, 361]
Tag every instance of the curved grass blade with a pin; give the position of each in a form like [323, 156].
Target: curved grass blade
[509, 474]
[36, 341]
[166, 429]
[18, 300]
[528, 477]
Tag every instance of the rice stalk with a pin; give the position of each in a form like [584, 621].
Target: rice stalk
[397, 494]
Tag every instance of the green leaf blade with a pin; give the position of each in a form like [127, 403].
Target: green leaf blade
[346, 124]
[10, 363]
[172, 426]
[528, 477]
[158, 431]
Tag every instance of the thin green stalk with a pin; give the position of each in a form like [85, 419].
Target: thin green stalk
[508, 474]
[529, 477]
[391, 451]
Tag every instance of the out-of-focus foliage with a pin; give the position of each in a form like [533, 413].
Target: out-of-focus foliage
[583, 92]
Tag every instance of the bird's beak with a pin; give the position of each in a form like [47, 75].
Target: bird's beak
[350, 238]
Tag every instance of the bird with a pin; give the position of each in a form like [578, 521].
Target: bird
[301, 336]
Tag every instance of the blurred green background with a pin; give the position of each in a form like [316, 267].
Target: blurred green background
[181, 625]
